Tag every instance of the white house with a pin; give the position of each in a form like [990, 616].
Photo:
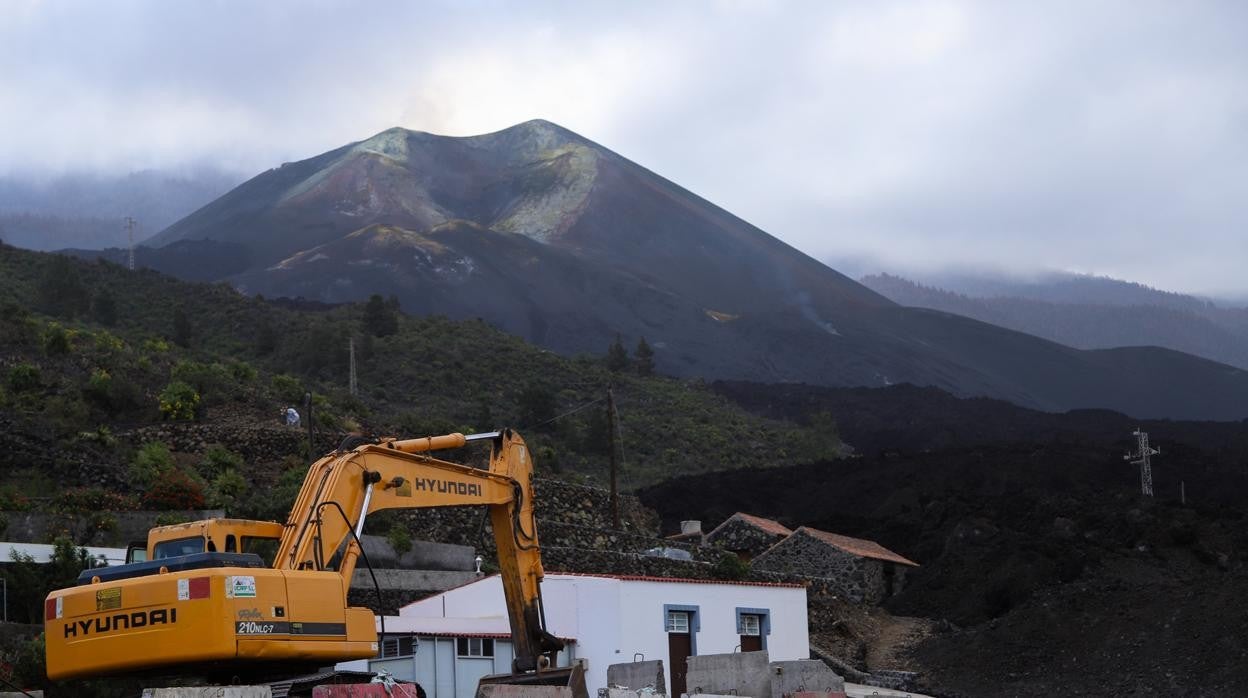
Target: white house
[447, 642]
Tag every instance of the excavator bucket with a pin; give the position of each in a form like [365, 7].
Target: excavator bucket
[513, 685]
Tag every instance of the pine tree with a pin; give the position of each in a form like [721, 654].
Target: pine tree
[617, 356]
[381, 317]
[644, 357]
[61, 292]
[104, 308]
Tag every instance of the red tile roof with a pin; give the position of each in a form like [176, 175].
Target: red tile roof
[857, 546]
[767, 525]
[679, 580]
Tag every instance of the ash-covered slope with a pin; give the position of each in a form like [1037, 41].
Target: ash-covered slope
[553, 237]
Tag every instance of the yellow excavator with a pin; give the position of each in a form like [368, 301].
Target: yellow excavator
[205, 601]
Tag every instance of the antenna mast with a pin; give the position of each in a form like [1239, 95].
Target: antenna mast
[130, 225]
[1141, 458]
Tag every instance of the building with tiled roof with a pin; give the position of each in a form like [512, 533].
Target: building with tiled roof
[862, 570]
[449, 641]
[747, 535]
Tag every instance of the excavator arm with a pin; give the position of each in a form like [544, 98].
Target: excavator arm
[342, 489]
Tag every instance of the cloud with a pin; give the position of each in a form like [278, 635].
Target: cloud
[1095, 136]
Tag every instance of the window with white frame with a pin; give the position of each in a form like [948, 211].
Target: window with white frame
[474, 647]
[677, 621]
[399, 646]
[751, 624]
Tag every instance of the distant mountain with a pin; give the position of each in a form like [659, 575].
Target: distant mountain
[86, 210]
[554, 238]
[1086, 312]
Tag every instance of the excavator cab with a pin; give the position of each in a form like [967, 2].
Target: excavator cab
[215, 536]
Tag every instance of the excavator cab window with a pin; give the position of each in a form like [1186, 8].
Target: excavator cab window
[266, 548]
[178, 547]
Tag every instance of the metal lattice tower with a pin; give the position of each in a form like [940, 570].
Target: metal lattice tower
[352, 386]
[130, 225]
[1141, 458]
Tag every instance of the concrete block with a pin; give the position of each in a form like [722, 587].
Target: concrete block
[738, 673]
[803, 675]
[628, 693]
[209, 692]
[365, 690]
[637, 675]
[818, 694]
[507, 690]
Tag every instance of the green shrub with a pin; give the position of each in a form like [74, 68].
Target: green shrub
[24, 377]
[108, 342]
[178, 401]
[176, 489]
[243, 372]
[731, 567]
[99, 386]
[91, 499]
[11, 499]
[152, 461]
[288, 388]
[156, 346]
[218, 459]
[56, 340]
[400, 539]
[227, 490]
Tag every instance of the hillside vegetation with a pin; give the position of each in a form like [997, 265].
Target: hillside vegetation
[90, 350]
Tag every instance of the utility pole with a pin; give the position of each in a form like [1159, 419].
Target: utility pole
[131, 223]
[613, 444]
[1141, 458]
[351, 385]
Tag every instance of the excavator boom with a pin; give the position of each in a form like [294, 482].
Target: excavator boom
[225, 609]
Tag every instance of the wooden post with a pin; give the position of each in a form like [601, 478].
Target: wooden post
[613, 445]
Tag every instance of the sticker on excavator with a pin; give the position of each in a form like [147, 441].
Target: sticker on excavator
[240, 587]
[107, 599]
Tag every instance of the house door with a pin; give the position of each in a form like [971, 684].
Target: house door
[679, 647]
[751, 632]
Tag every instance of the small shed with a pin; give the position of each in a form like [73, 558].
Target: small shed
[747, 535]
[860, 570]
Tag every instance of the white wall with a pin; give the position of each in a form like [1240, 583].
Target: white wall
[612, 619]
[43, 553]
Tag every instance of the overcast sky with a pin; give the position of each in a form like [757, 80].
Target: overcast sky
[1101, 137]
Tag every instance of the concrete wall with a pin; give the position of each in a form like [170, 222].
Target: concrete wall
[647, 674]
[735, 674]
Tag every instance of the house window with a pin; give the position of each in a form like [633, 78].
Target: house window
[474, 647]
[750, 624]
[677, 621]
[398, 646]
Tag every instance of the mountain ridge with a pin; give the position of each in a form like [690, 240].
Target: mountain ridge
[569, 244]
